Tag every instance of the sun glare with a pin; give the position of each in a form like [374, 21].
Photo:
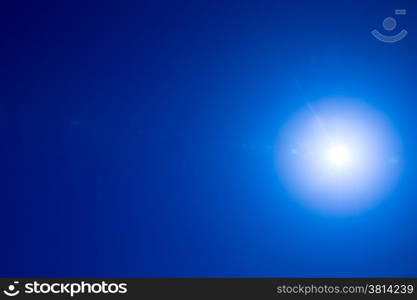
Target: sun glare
[336, 156]
[339, 156]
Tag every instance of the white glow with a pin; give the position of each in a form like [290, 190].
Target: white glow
[338, 156]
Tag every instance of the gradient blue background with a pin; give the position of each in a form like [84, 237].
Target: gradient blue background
[138, 137]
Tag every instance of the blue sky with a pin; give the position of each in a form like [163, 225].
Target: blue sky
[139, 137]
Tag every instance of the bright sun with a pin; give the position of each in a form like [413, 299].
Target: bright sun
[339, 156]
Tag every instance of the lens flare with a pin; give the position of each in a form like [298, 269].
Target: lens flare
[339, 156]
[335, 156]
